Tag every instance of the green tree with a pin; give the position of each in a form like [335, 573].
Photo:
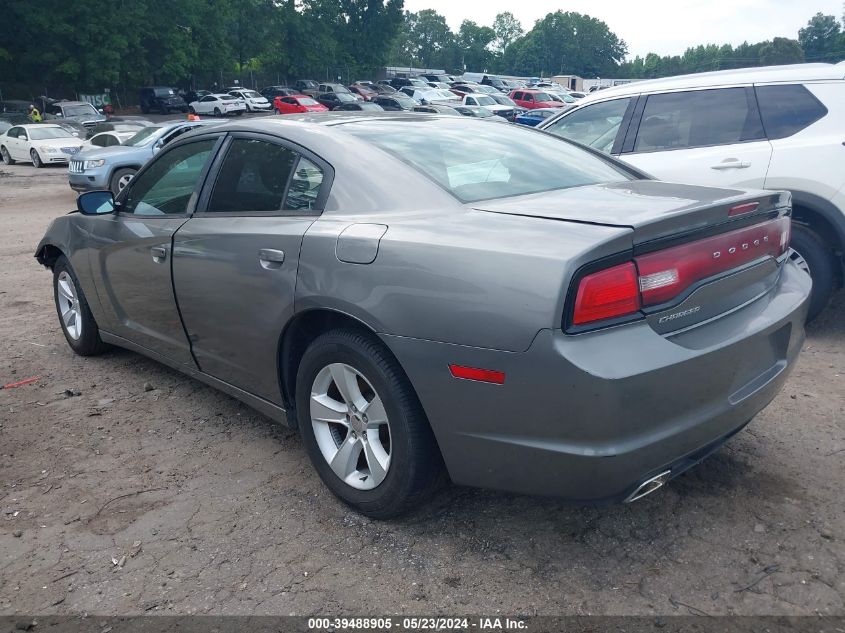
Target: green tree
[507, 29]
[781, 50]
[474, 43]
[821, 38]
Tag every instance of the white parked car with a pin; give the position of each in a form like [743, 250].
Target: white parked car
[488, 102]
[218, 104]
[254, 102]
[39, 144]
[109, 139]
[778, 127]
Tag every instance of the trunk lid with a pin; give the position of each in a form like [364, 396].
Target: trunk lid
[698, 253]
[653, 209]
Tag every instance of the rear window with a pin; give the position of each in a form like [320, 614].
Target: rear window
[787, 110]
[472, 164]
[699, 118]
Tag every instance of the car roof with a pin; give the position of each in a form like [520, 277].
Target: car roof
[38, 126]
[738, 76]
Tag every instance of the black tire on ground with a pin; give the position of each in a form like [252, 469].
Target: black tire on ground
[816, 257]
[145, 109]
[416, 466]
[191, 110]
[36, 159]
[89, 342]
[7, 157]
[114, 183]
[216, 111]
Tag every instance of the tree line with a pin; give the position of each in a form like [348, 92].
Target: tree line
[89, 46]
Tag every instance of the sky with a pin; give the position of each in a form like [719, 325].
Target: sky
[665, 27]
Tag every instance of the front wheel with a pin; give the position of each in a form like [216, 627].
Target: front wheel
[363, 426]
[75, 318]
[36, 159]
[120, 179]
[813, 256]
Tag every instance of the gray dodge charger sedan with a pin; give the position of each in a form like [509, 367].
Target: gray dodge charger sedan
[425, 294]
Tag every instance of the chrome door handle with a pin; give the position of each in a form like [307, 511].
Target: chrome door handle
[159, 253]
[270, 258]
[732, 164]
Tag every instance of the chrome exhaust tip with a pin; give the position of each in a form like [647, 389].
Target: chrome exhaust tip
[649, 486]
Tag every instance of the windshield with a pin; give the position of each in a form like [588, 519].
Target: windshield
[405, 102]
[144, 136]
[503, 100]
[308, 101]
[473, 165]
[252, 94]
[163, 92]
[370, 106]
[345, 97]
[80, 110]
[542, 96]
[485, 100]
[44, 133]
[309, 84]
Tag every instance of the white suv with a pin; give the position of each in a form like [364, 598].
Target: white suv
[778, 127]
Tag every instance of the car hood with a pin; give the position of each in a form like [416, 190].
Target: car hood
[114, 151]
[654, 209]
[58, 142]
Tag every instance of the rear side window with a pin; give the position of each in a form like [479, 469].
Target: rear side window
[787, 110]
[253, 177]
[698, 118]
[595, 125]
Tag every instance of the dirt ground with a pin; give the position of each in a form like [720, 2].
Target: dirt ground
[149, 492]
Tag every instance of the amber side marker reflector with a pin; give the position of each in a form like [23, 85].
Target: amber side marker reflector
[739, 209]
[479, 375]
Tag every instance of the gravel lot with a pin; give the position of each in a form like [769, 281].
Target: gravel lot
[206, 506]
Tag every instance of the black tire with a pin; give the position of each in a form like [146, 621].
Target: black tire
[814, 256]
[88, 343]
[415, 463]
[114, 183]
[7, 157]
[191, 110]
[145, 109]
[36, 159]
[217, 112]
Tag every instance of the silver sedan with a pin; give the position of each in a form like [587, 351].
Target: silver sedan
[423, 294]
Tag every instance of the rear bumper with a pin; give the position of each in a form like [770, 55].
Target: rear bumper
[589, 417]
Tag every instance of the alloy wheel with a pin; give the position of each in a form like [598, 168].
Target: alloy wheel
[350, 425]
[7, 158]
[36, 159]
[123, 181]
[68, 299]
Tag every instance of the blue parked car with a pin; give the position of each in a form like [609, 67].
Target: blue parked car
[533, 117]
[112, 168]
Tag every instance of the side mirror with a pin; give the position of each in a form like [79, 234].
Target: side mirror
[22, 137]
[95, 203]
[158, 145]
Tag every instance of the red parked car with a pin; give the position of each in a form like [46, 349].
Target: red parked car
[532, 99]
[363, 90]
[293, 104]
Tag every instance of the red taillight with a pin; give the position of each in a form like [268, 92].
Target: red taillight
[607, 294]
[665, 274]
[661, 276]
